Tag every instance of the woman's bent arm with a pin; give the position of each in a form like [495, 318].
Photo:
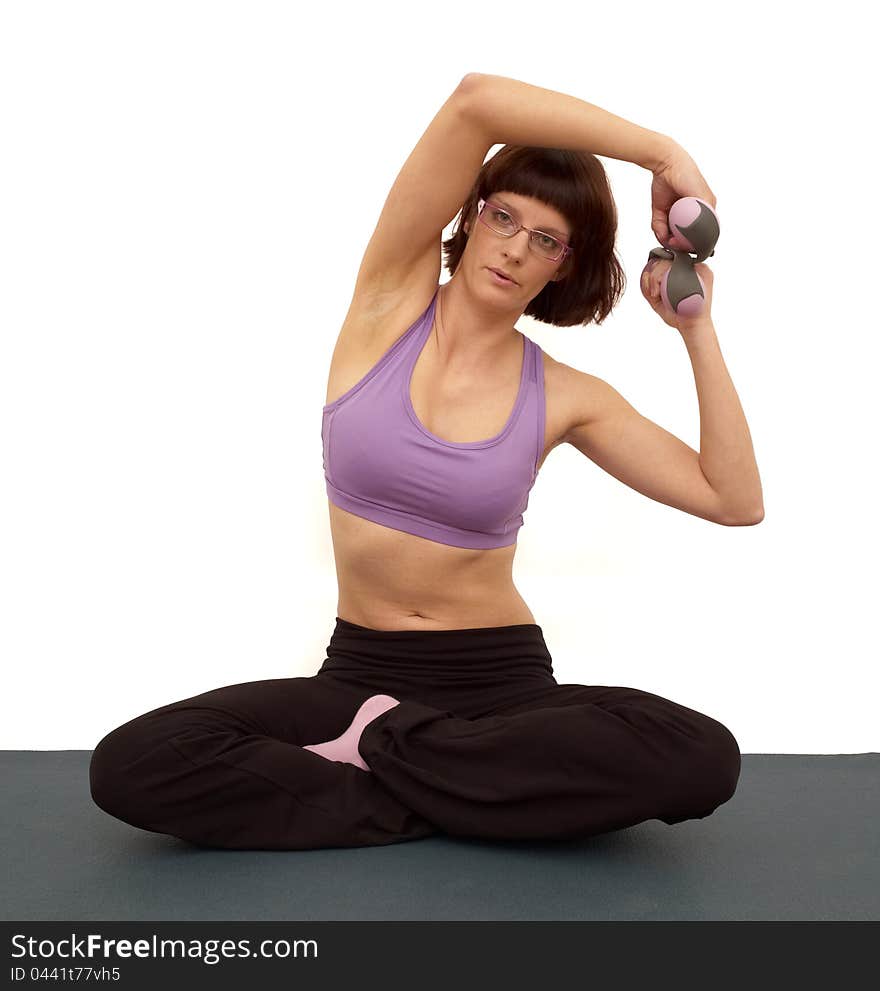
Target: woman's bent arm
[514, 112]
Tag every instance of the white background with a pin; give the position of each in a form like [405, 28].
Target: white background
[168, 322]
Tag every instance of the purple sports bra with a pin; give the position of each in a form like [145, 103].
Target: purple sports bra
[381, 463]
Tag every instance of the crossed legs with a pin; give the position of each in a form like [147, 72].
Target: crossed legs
[242, 766]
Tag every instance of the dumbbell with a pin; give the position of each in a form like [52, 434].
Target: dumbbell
[696, 224]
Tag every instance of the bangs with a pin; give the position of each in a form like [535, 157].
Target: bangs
[548, 178]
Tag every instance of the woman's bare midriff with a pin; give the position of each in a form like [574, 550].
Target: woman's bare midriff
[392, 580]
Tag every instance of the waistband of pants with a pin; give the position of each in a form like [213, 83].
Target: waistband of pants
[491, 653]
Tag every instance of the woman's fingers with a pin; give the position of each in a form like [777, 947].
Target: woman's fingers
[677, 176]
[651, 278]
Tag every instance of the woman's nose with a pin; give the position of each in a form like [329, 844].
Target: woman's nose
[519, 243]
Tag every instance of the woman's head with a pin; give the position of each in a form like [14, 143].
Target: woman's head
[560, 192]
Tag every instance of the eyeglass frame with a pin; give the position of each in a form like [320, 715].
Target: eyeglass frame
[566, 250]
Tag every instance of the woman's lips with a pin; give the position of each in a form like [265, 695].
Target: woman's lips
[501, 279]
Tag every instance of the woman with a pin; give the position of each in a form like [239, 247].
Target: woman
[436, 708]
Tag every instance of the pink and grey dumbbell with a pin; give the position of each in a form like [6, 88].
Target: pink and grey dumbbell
[696, 225]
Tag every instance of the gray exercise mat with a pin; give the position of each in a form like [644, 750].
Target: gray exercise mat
[798, 841]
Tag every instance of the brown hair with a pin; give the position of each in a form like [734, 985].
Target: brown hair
[574, 183]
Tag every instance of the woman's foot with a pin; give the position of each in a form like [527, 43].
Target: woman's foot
[345, 748]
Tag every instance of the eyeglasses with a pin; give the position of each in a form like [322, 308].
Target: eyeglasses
[499, 220]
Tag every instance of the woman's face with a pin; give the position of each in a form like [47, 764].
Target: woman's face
[512, 254]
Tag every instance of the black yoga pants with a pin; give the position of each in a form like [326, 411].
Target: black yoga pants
[484, 743]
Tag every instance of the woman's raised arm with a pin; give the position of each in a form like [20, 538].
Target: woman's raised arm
[426, 195]
[513, 112]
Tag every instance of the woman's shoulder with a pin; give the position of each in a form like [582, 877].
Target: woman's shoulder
[557, 375]
[571, 394]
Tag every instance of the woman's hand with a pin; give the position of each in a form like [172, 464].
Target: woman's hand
[652, 276]
[675, 176]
